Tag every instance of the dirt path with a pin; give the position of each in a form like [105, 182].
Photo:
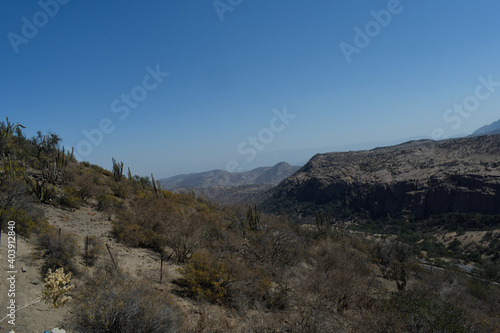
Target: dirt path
[83, 222]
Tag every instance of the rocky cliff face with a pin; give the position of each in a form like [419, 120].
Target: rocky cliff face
[419, 177]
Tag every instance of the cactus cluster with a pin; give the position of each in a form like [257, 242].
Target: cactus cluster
[325, 226]
[117, 170]
[8, 128]
[52, 171]
[38, 188]
[253, 217]
[62, 158]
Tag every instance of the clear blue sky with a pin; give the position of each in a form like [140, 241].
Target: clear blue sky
[69, 66]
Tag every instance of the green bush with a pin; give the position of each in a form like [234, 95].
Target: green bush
[25, 222]
[121, 188]
[71, 198]
[206, 278]
[107, 201]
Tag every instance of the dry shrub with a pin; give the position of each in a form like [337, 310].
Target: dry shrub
[206, 277]
[274, 295]
[340, 277]
[71, 198]
[16, 204]
[93, 251]
[183, 235]
[111, 302]
[26, 223]
[154, 222]
[415, 312]
[107, 202]
[122, 188]
[59, 250]
[210, 320]
[273, 243]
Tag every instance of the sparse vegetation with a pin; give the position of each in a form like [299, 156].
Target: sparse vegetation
[238, 269]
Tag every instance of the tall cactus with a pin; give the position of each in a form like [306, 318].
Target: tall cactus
[253, 217]
[9, 128]
[156, 185]
[7, 167]
[129, 174]
[117, 170]
[62, 158]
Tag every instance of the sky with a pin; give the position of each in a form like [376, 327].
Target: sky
[171, 87]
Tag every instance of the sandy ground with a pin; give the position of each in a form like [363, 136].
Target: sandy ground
[82, 222]
[464, 238]
[28, 286]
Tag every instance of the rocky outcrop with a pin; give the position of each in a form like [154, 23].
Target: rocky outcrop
[419, 178]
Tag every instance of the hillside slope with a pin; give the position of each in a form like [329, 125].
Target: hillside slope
[418, 177]
[493, 128]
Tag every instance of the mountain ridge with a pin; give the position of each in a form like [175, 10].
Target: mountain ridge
[420, 178]
[493, 128]
[216, 178]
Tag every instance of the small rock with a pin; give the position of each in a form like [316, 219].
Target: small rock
[58, 330]
[35, 283]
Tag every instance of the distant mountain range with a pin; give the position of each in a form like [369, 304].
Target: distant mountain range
[251, 186]
[264, 175]
[493, 128]
[227, 187]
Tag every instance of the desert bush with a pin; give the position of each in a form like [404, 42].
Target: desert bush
[59, 250]
[26, 223]
[111, 302]
[71, 198]
[17, 205]
[94, 249]
[414, 312]
[57, 286]
[87, 184]
[128, 231]
[183, 235]
[157, 222]
[121, 188]
[275, 296]
[209, 320]
[207, 278]
[273, 243]
[339, 274]
[107, 202]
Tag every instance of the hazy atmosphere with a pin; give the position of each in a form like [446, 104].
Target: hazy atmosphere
[175, 87]
[254, 166]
